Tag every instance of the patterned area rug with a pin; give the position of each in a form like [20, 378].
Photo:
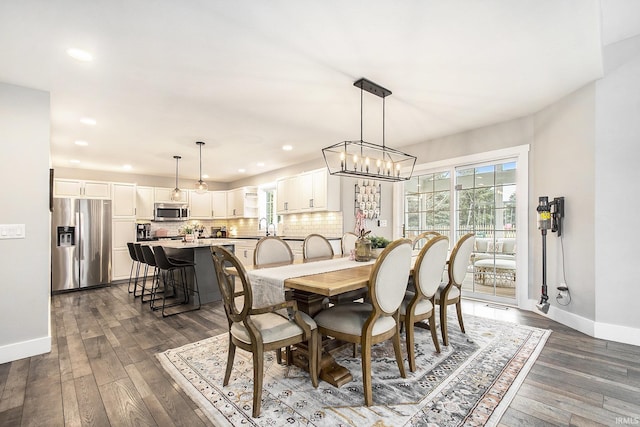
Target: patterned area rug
[471, 382]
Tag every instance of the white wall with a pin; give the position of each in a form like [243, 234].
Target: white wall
[25, 289]
[562, 159]
[617, 208]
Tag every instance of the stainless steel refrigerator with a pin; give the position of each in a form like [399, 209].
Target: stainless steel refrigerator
[80, 244]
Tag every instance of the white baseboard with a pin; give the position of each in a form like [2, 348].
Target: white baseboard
[604, 331]
[11, 352]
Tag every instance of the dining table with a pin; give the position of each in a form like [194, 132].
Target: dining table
[310, 285]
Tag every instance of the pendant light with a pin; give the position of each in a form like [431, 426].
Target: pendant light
[201, 186]
[176, 194]
[360, 158]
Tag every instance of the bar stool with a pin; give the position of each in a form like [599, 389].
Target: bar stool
[142, 281]
[150, 261]
[168, 268]
[134, 264]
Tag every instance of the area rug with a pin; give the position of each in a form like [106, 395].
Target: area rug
[471, 382]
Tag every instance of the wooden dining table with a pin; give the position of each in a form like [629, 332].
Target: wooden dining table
[311, 294]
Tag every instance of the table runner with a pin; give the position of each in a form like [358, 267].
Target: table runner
[267, 284]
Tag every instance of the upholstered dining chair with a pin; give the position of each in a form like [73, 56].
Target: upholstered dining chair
[370, 323]
[449, 293]
[421, 239]
[316, 246]
[261, 329]
[419, 305]
[348, 242]
[271, 250]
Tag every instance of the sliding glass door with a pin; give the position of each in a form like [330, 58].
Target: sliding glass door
[475, 198]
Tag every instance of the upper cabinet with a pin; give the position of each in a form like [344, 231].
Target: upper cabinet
[144, 202]
[200, 205]
[124, 200]
[219, 202]
[81, 189]
[163, 195]
[242, 203]
[308, 192]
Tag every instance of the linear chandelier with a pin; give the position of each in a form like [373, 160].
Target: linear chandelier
[365, 159]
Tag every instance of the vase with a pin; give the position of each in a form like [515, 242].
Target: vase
[363, 249]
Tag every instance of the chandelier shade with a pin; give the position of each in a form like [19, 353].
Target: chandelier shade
[201, 186]
[360, 158]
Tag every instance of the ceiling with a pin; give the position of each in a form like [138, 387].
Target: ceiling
[247, 77]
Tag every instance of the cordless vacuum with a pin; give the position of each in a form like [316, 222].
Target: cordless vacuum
[550, 216]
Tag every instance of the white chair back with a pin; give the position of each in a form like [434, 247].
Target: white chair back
[430, 265]
[348, 242]
[460, 257]
[316, 246]
[390, 276]
[270, 250]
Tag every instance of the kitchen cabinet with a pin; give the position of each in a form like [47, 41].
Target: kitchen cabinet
[81, 189]
[122, 231]
[123, 197]
[201, 205]
[219, 203]
[144, 202]
[244, 251]
[163, 195]
[308, 192]
[242, 202]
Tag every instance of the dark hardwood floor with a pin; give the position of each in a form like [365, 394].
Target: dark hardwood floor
[102, 370]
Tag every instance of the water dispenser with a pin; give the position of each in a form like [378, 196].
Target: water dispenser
[66, 236]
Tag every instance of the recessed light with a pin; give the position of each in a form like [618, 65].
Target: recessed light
[287, 147]
[88, 121]
[80, 55]
[74, 161]
[242, 170]
[205, 176]
[260, 164]
[82, 143]
[126, 167]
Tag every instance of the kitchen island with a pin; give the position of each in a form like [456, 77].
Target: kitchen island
[200, 253]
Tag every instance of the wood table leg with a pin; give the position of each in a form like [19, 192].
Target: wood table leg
[330, 370]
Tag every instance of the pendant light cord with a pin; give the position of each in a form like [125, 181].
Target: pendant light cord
[200, 144]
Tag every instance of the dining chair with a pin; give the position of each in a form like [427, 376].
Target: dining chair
[419, 304]
[258, 330]
[271, 250]
[316, 246]
[421, 239]
[450, 293]
[375, 321]
[348, 242]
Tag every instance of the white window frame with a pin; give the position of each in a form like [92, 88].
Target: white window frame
[521, 154]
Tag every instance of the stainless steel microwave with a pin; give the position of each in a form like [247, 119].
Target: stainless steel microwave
[171, 212]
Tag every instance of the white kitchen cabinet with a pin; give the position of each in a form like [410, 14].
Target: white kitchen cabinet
[244, 251]
[200, 205]
[81, 189]
[308, 192]
[144, 202]
[123, 197]
[219, 203]
[163, 195]
[122, 232]
[242, 202]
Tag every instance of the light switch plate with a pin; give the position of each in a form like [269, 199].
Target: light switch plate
[12, 231]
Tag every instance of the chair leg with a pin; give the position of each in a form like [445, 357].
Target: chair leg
[459, 312]
[411, 352]
[258, 372]
[443, 323]
[313, 360]
[432, 327]
[230, 356]
[365, 354]
[398, 350]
